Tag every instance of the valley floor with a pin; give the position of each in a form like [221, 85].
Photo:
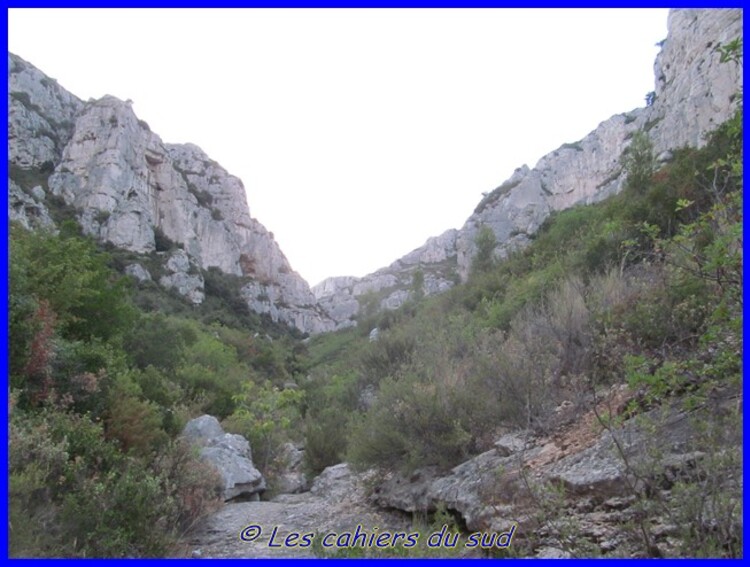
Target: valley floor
[333, 509]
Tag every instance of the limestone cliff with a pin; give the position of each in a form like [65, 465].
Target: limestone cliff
[132, 190]
[694, 92]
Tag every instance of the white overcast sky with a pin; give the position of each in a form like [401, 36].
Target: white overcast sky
[357, 133]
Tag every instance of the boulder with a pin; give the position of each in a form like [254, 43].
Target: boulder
[291, 479]
[229, 453]
[334, 482]
[180, 278]
[201, 429]
[138, 272]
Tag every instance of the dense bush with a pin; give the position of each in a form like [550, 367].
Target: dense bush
[328, 403]
[100, 390]
[73, 493]
[265, 415]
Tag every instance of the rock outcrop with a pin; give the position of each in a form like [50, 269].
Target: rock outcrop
[338, 504]
[599, 475]
[694, 93]
[41, 116]
[427, 270]
[291, 479]
[139, 194]
[229, 453]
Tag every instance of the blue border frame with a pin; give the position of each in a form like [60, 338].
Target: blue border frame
[367, 4]
[312, 4]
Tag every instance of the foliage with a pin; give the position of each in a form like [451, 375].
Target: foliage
[265, 415]
[72, 493]
[327, 406]
[101, 390]
[409, 425]
[385, 356]
[486, 242]
[417, 284]
[75, 280]
[639, 161]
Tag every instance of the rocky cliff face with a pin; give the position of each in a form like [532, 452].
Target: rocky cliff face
[694, 93]
[132, 190]
[427, 270]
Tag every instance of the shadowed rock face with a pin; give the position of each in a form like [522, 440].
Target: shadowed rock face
[694, 93]
[130, 189]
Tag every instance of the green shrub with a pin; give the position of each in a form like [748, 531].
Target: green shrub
[486, 242]
[74, 494]
[325, 439]
[134, 423]
[265, 415]
[160, 341]
[411, 424]
[73, 276]
[193, 487]
[386, 356]
[328, 403]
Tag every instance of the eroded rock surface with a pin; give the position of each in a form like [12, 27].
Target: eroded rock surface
[602, 472]
[338, 502]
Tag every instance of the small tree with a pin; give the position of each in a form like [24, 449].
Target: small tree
[639, 161]
[485, 242]
[417, 284]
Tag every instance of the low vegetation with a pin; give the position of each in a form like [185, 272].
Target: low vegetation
[101, 388]
[644, 289]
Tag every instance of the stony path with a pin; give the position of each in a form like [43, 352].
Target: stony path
[334, 510]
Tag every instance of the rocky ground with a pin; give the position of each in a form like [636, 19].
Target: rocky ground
[581, 492]
[336, 503]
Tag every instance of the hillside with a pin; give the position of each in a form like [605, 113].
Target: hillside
[693, 94]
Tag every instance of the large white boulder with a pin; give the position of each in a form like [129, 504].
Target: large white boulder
[229, 453]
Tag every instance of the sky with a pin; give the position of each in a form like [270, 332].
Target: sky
[358, 134]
